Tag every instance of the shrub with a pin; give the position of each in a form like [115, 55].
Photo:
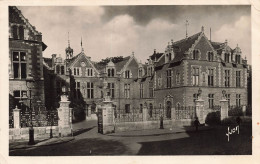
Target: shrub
[235, 111]
[229, 121]
[213, 118]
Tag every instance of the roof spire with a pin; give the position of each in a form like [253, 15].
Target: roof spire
[68, 39]
[202, 29]
[133, 53]
[186, 24]
[82, 50]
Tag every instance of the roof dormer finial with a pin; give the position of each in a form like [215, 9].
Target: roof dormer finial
[202, 29]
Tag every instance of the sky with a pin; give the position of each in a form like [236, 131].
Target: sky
[108, 31]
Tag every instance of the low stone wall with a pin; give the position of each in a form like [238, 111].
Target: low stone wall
[39, 133]
[130, 126]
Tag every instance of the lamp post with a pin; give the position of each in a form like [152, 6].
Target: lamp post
[31, 130]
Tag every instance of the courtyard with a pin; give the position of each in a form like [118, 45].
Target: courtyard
[176, 141]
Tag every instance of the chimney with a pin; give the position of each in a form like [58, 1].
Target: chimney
[154, 51]
[172, 41]
[202, 29]
[226, 42]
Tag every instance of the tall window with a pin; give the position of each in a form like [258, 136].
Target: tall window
[195, 97]
[178, 78]
[58, 69]
[159, 81]
[238, 99]
[227, 78]
[151, 110]
[151, 90]
[237, 59]
[78, 93]
[211, 77]
[127, 108]
[141, 108]
[111, 87]
[21, 32]
[141, 90]
[19, 65]
[238, 78]
[90, 90]
[90, 72]
[210, 56]
[20, 94]
[127, 74]
[195, 54]
[195, 76]
[211, 101]
[168, 78]
[228, 98]
[170, 56]
[15, 32]
[76, 71]
[227, 57]
[111, 72]
[62, 70]
[140, 72]
[127, 90]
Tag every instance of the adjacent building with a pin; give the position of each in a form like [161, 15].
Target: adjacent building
[26, 79]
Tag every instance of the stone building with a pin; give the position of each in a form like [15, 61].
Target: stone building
[197, 63]
[25, 61]
[169, 79]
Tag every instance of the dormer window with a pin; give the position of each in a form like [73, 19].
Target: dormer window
[18, 32]
[58, 69]
[90, 72]
[170, 56]
[127, 74]
[195, 54]
[140, 72]
[226, 57]
[111, 72]
[237, 59]
[62, 72]
[210, 56]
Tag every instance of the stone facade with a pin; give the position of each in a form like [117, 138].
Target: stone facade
[167, 80]
[25, 61]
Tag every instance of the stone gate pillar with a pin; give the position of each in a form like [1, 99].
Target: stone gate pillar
[200, 110]
[108, 116]
[223, 109]
[16, 116]
[65, 115]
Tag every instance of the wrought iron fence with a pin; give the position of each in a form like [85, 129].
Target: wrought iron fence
[40, 117]
[133, 115]
[234, 110]
[216, 108]
[11, 119]
[185, 112]
[156, 114]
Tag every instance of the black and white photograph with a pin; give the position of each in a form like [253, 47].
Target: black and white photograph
[129, 80]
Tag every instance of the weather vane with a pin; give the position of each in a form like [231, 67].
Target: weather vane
[186, 24]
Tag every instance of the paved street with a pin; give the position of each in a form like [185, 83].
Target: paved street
[88, 142]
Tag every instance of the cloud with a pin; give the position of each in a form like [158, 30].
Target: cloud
[239, 33]
[119, 30]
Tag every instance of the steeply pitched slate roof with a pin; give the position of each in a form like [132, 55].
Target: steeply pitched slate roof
[120, 65]
[181, 46]
[70, 61]
[156, 56]
[48, 61]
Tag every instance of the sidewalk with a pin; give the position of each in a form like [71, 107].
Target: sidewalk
[157, 132]
[46, 142]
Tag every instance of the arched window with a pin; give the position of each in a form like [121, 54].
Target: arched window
[58, 69]
[237, 59]
[168, 109]
[21, 32]
[62, 70]
[151, 110]
[178, 106]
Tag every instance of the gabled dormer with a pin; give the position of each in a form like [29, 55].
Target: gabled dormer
[141, 71]
[236, 56]
[110, 69]
[82, 66]
[130, 68]
[169, 53]
[226, 55]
